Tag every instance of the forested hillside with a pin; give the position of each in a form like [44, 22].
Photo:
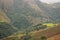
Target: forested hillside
[25, 14]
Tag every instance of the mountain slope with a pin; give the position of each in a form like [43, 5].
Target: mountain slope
[25, 13]
[21, 15]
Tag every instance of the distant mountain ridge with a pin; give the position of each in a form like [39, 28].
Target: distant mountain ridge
[57, 5]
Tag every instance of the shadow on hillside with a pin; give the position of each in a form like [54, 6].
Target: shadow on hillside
[6, 30]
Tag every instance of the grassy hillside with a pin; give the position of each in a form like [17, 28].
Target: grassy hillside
[37, 35]
[3, 17]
